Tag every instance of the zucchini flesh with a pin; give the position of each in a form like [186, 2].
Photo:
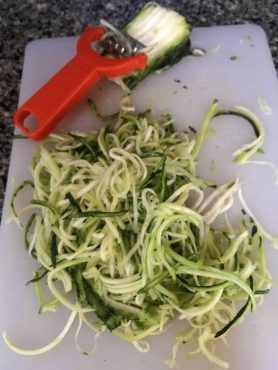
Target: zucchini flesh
[164, 32]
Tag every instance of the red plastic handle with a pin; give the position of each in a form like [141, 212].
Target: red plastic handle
[50, 104]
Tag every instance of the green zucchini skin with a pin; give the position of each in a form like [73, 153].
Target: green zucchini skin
[151, 24]
[173, 56]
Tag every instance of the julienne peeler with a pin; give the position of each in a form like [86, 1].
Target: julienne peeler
[54, 99]
[156, 38]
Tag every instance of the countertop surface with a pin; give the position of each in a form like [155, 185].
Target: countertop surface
[24, 21]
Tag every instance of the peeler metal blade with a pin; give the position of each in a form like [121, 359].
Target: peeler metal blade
[118, 43]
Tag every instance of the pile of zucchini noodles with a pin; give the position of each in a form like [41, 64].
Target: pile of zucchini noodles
[124, 232]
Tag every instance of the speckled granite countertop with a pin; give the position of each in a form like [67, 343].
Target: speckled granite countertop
[23, 21]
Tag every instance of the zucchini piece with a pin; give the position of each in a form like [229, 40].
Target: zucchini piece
[164, 32]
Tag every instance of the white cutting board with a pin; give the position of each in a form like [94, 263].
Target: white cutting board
[253, 345]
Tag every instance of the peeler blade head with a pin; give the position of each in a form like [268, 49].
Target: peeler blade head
[118, 43]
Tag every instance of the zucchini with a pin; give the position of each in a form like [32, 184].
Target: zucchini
[164, 32]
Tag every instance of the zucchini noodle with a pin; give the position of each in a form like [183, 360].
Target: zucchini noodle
[124, 232]
[48, 347]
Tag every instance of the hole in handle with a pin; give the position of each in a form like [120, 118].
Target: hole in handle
[27, 121]
[31, 123]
